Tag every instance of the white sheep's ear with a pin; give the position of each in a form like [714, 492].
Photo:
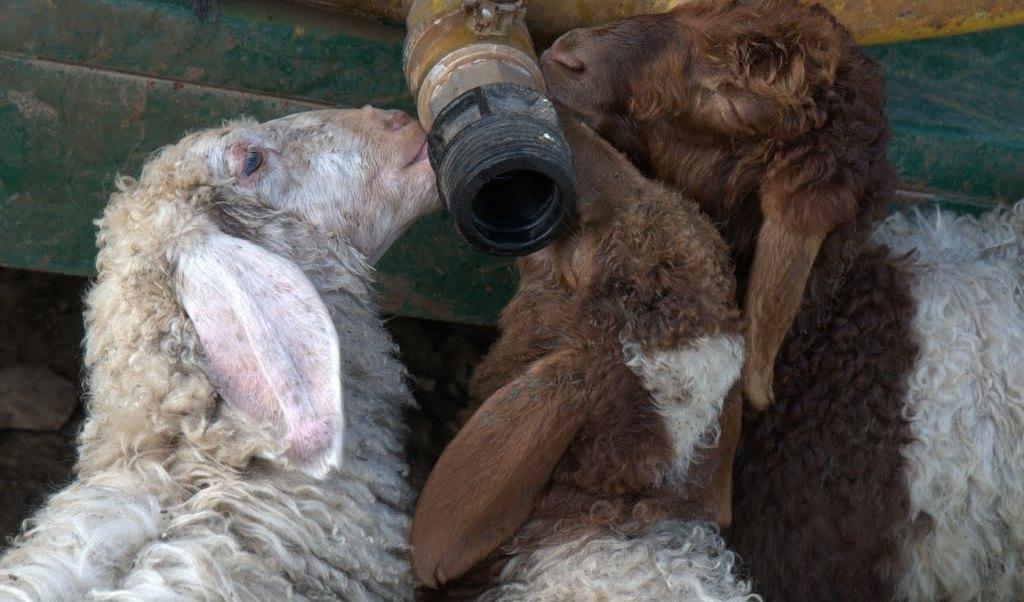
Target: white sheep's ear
[271, 346]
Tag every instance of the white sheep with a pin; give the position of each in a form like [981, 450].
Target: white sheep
[232, 336]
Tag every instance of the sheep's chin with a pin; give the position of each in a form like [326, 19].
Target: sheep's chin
[590, 119]
[421, 187]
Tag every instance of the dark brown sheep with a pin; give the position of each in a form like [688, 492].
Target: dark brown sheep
[765, 112]
[851, 485]
[768, 115]
[618, 355]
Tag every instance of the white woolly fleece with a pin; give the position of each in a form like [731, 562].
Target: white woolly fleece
[671, 560]
[170, 503]
[82, 539]
[965, 405]
[187, 527]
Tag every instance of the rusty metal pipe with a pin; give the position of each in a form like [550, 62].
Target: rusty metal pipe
[503, 165]
[871, 21]
[453, 46]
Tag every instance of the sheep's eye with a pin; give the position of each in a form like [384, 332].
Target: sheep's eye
[253, 161]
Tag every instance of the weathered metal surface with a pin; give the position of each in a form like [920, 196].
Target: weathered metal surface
[388, 10]
[872, 21]
[957, 111]
[452, 47]
[886, 21]
[66, 130]
[89, 88]
[268, 47]
[75, 110]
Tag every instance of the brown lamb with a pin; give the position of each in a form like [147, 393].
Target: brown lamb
[576, 431]
[767, 114]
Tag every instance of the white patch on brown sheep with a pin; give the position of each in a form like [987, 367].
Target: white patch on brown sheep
[688, 387]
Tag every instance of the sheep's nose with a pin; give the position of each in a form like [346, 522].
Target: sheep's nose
[557, 54]
[396, 120]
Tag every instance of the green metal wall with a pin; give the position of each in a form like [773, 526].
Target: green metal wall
[89, 88]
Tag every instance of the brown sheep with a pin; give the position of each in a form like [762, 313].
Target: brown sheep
[889, 374]
[765, 112]
[619, 353]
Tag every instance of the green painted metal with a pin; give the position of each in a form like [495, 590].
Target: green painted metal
[67, 130]
[265, 47]
[957, 111]
[89, 88]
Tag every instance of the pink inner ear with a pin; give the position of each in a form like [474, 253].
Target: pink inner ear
[272, 348]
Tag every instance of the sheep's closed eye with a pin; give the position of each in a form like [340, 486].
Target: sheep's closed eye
[252, 162]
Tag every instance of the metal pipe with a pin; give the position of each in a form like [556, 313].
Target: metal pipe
[871, 21]
[504, 168]
[453, 46]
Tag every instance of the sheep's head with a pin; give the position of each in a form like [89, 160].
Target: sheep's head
[361, 175]
[763, 111]
[216, 257]
[748, 69]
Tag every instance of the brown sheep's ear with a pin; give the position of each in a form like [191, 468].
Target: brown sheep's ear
[806, 194]
[720, 484]
[487, 480]
[782, 263]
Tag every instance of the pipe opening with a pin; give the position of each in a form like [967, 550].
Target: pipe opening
[514, 203]
[505, 175]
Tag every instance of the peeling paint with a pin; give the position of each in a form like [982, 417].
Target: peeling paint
[30, 106]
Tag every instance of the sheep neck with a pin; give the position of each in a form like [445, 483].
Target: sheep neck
[373, 380]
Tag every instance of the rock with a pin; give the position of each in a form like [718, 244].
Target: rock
[34, 398]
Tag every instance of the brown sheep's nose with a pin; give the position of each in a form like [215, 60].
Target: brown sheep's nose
[397, 120]
[557, 54]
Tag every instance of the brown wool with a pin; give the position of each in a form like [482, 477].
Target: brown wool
[767, 114]
[567, 439]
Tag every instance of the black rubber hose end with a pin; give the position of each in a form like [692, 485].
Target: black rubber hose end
[504, 168]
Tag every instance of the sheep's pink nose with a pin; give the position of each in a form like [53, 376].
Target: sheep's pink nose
[397, 120]
[557, 54]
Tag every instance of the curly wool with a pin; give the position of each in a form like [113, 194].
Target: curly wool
[179, 496]
[671, 560]
[702, 372]
[965, 404]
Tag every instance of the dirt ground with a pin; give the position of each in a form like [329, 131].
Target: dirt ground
[40, 366]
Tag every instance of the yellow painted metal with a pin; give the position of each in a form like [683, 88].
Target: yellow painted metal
[391, 10]
[871, 21]
[886, 21]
